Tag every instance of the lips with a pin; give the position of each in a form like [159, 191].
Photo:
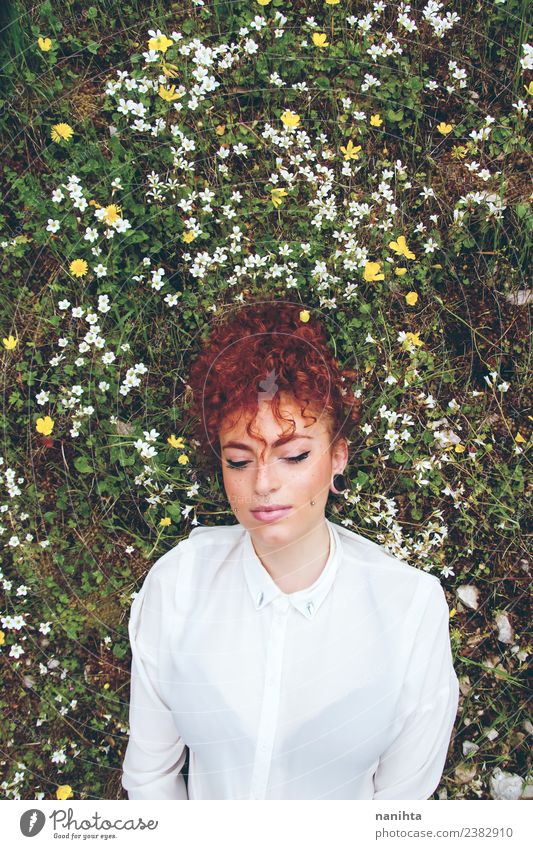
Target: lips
[271, 513]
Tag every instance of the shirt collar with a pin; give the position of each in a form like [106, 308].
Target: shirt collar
[263, 588]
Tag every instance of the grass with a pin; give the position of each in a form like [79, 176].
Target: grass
[81, 522]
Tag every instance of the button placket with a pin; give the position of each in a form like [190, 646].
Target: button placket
[271, 698]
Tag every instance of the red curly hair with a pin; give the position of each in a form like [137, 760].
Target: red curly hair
[266, 347]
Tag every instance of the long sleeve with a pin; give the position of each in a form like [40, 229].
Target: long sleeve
[155, 753]
[412, 765]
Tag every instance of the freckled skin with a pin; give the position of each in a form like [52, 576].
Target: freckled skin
[293, 549]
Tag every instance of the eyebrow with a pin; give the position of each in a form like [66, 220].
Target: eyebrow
[275, 444]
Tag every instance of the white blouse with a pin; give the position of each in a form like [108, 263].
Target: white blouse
[343, 690]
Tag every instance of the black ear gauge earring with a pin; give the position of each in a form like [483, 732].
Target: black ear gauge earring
[340, 484]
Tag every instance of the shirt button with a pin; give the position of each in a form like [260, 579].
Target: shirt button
[310, 607]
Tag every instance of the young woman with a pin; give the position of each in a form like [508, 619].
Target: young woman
[291, 657]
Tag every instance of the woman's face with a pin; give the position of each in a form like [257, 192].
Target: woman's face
[290, 475]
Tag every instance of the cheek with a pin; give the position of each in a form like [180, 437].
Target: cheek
[314, 475]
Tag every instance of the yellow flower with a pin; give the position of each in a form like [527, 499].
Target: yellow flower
[290, 119]
[376, 120]
[168, 94]
[64, 791]
[459, 448]
[453, 611]
[106, 686]
[165, 522]
[176, 441]
[2, 638]
[277, 196]
[411, 298]
[112, 213]
[188, 237]
[305, 316]
[332, 2]
[161, 43]
[10, 343]
[373, 272]
[350, 151]
[400, 247]
[61, 131]
[444, 128]
[45, 426]
[320, 39]
[183, 459]
[400, 271]
[45, 44]
[529, 88]
[519, 438]
[412, 339]
[263, 2]
[220, 129]
[78, 267]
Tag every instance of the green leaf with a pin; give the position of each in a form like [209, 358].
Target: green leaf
[400, 457]
[394, 116]
[82, 465]
[521, 210]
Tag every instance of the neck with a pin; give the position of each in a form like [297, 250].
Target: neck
[297, 564]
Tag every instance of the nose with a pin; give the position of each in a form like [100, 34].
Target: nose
[265, 483]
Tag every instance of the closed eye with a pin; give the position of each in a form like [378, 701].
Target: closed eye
[234, 465]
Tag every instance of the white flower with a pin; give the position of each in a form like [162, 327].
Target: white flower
[103, 303]
[58, 757]
[91, 234]
[527, 59]
[42, 397]
[53, 225]
[430, 246]
[121, 225]
[521, 107]
[100, 270]
[57, 196]
[44, 627]
[16, 651]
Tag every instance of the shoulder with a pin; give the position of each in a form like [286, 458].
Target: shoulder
[183, 556]
[384, 570]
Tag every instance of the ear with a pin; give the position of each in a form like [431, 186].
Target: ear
[339, 455]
